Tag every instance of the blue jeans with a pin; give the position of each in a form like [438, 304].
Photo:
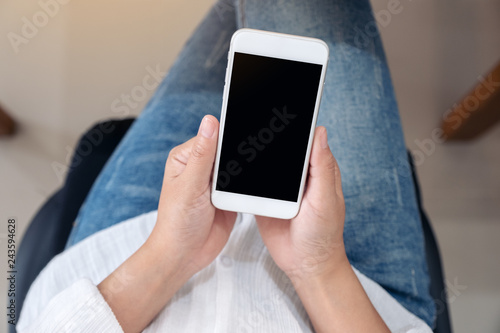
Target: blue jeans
[383, 234]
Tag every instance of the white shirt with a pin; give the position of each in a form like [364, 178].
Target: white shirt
[241, 291]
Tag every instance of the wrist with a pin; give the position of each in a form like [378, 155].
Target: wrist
[142, 285]
[316, 271]
[170, 261]
[336, 301]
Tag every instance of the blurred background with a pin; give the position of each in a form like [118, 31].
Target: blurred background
[76, 68]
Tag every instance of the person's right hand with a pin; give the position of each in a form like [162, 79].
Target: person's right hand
[190, 229]
[188, 235]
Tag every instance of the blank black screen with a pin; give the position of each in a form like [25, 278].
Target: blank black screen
[268, 120]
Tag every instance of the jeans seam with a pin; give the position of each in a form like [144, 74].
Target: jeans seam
[242, 14]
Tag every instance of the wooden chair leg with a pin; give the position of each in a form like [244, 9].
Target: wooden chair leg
[477, 112]
[7, 124]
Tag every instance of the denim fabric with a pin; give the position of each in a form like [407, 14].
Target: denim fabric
[383, 234]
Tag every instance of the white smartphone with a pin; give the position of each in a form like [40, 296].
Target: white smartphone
[270, 105]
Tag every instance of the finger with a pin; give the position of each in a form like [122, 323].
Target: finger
[178, 159]
[324, 173]
[202, 154]
[273, 231]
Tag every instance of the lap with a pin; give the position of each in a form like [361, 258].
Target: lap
[383, 235]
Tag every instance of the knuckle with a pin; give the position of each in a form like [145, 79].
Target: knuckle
[173, 153]
[199, 150]
[338, 175]
[331, 164]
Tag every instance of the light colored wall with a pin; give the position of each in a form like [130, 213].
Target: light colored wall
[88, 54]
[66, 77]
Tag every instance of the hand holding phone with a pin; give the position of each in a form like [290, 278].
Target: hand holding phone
[311, 244]
[270, 105]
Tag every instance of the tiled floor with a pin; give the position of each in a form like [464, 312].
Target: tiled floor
[71, 72]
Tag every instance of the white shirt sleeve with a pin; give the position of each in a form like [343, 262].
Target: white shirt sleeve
[78, 308]
[244, 287]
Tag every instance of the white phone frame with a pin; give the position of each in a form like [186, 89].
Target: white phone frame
[276, 45]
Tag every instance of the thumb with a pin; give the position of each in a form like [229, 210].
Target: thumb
[201, 160]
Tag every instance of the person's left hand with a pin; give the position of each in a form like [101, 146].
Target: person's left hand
[192, 228]
[311, 244]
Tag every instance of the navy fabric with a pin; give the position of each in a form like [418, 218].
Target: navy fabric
[48, 232]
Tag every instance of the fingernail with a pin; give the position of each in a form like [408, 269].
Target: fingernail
[207, 127]
[324, 139]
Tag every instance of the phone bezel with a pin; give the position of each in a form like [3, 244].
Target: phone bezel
[276, 45]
